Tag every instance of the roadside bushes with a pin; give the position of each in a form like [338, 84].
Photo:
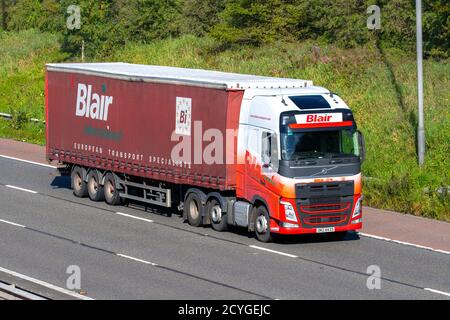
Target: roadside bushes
[31, 14]
[342, 22]
[107, 24]
[19, 118]
[408, 192]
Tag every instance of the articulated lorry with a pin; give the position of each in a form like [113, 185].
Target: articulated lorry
[273, 155]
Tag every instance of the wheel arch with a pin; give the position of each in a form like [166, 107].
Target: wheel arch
[257, 201]
[222, 201]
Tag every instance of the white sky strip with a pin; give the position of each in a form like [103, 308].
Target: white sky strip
[20, 189]
[45, 284]
[274, 251]
[28, 161]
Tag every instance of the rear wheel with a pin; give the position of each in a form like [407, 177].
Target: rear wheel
[216, 215]
[193, 210]
[262, 225]
[110, 189]
[79, 186]
[95, 190]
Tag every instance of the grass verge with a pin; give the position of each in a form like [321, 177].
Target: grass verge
[379, 84]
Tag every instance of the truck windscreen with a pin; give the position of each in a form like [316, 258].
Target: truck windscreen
[319, 144]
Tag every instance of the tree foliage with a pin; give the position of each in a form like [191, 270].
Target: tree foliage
[107, 24]
[343, 22]
[34, 14]
[199, 16]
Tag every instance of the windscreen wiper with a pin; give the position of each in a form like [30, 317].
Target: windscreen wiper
[310, 155]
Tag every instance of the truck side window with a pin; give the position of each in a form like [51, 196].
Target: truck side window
[269, 150]
[254, 142]
[266, 147]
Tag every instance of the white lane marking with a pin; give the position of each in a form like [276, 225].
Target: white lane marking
[442, 251]
[28, 161]
[23, 294]
[373, 236]
[411, 244]
[12, 223]
[135, 259]
[437, 291]
[133, 217]
[274, 251]
[20, 189]
[403, 243]
[45, 284]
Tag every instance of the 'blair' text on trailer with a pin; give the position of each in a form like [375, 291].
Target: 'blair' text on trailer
[92, 105]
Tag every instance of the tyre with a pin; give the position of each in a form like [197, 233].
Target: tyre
[79, 186]
[193, 210]
[262, 225]
[95, 189]
[110, 190]
[217, 217]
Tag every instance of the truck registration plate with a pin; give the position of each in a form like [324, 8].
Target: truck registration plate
[323, 230]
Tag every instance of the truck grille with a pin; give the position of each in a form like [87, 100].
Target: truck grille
[324, 204]
[325, 208]
[325, 220]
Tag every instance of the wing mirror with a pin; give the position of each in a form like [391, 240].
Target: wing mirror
[362, 146]
[265, 161]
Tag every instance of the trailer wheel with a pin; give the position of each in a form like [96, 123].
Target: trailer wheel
[262, 225]
[216, 215]
[79, 186]
[110, 189]
[193, 210]
[95, 189]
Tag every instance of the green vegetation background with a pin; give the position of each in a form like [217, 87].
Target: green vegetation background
[322, 40]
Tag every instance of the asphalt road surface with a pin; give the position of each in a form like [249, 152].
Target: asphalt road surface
[134, 253]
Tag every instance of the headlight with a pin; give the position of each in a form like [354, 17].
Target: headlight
[357, 210]
[289, 211]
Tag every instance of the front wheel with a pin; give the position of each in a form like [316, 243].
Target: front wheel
[262, 225]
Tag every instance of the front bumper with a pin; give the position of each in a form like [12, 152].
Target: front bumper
[281, 230]
[321, 215]
[329, 210]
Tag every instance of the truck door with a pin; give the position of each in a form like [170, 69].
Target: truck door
[261, 165]
[252, 161]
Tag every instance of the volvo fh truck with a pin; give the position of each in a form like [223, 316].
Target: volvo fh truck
[272, 155]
